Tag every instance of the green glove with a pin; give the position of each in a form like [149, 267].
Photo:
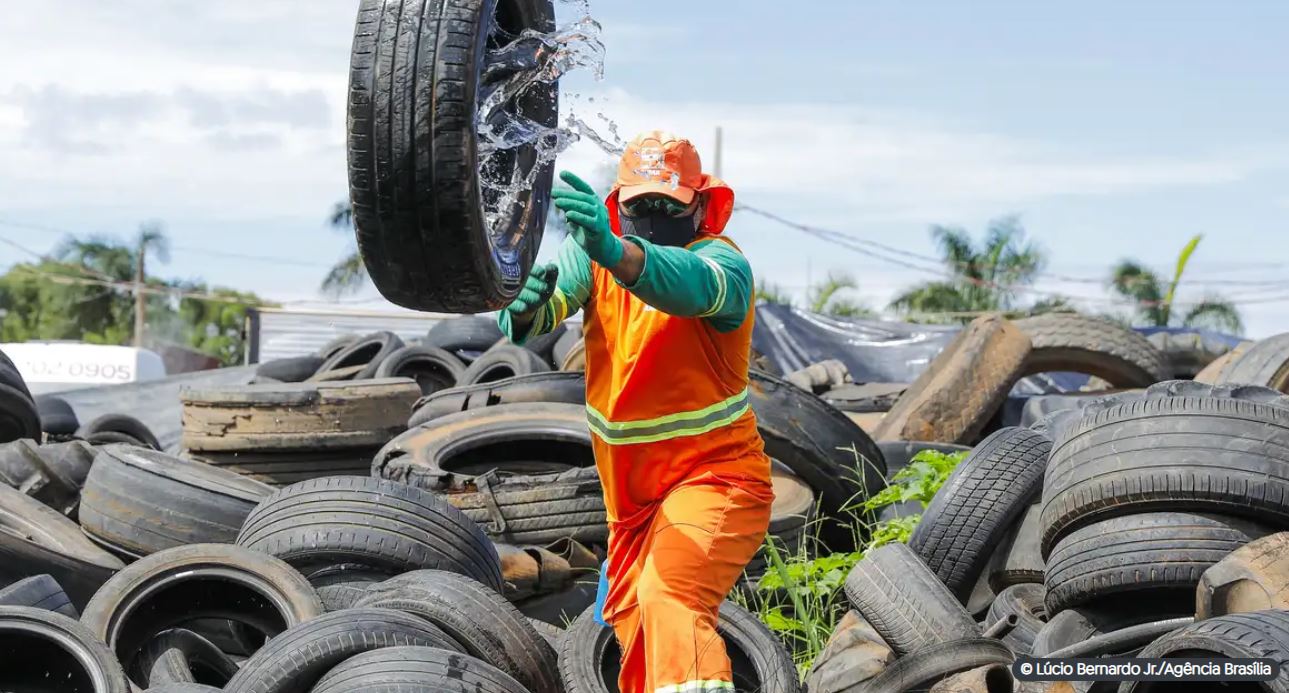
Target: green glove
[588, 220]
[538, 289]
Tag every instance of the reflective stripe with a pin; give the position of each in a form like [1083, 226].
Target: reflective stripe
[719, 303]
[695, 687]
[688, 423]
[561, 309]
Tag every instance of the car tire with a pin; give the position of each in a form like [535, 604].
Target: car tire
[416, 670]
[432, 368]
[1069, 342]
[39, 592]
[502, 362]
[553, 387]
[1254, 577]
[41, 643]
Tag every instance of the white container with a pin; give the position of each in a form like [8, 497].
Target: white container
[55, 366]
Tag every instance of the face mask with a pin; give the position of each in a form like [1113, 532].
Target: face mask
[660, 227]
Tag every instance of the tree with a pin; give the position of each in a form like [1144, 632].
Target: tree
[824, 298]
[151, 237]
[349, 274]
[218, 327]
[1154, 301]
[982, 278]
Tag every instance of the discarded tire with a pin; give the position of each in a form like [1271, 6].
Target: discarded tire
[791, 513]
[433, 369]
[575, 359]
[18, 415]
[1254, 577]
[1019, 558]
[360, 359]
[540, 509]
[483, 623]
[588, 662]
[1265, 362]
[821, 446]
[433, 238]
[468, 333]
[285, 433]
[1080, 625]
[202, 581]
[544, 345]
[1260, 634]
[372, 524]
[298, 658]
[979, 503]
[554, 387]
[57, 418]
[502, 362]
[918, 671]
[290, 370]
[52, 473]
[416, 670]
[183, 688]
[42, 644]
[1081, 344]
[513, 440]
[118, 428]
[1180, 444]
[905, 602]
[142, 501]
[36, 540]
[1025, 602]
[962, 388]
[181, 656]
[1160, 553]
[39, 592]
[1189, 353]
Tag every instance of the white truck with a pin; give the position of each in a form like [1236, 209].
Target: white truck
[64, 365]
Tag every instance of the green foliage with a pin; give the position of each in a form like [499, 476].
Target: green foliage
[1154, 302]
[772, 294]
[984, 277]
[800, 598]
[824, 297]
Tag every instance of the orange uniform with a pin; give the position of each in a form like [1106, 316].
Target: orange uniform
[686, 479]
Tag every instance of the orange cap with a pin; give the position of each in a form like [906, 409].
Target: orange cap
[660, 162]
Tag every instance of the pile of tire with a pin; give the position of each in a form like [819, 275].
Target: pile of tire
[1149, 521]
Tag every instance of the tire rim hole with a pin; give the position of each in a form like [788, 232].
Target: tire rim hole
[34, 663]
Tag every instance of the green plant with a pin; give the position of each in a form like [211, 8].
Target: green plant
[1155, 300]
[800, 598]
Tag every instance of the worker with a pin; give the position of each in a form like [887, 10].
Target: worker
[668, 304]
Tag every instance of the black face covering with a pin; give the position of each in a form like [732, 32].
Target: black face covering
[661, 229]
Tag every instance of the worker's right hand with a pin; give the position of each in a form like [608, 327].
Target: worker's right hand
[538, 289]
[588, 221]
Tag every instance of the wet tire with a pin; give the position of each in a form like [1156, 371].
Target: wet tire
[379, 525]
[40, 644]
[905, 602]
[363, 357]
[35, 540]
[962, 388]
[433, 369]
[417, 75]
[181, 656]
[589, 658]
[979, 503]
[1178, 445]
[298, 658]
[502, 362]
[918, 671]
[1260, 634]
[555, 387]
[39, 592]
[1162, 554]
[19, 417]
[1254, 577]
[290, 370]
[416, 670]
[1068, 342]
[449, 453]
[1025, 602]
[204, 581]
[1265, 363]
[480, 620]
[821, 446]
[52, 473]
[143, 501]
[118, 428]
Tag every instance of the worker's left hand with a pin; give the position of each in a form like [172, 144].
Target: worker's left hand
[538, 289]
[588, 220]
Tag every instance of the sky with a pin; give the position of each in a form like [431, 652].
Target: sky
[1111, 129]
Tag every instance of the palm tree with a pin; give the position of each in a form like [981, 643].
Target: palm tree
[824, 298]
[1154, 301]
[983, 278]
[350, 273]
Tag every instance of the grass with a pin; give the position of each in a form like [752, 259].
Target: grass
[800, 597]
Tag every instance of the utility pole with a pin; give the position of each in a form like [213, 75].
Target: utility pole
[140, 304]
[716, 164]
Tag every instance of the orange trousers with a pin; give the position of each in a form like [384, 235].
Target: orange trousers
[668, 576]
